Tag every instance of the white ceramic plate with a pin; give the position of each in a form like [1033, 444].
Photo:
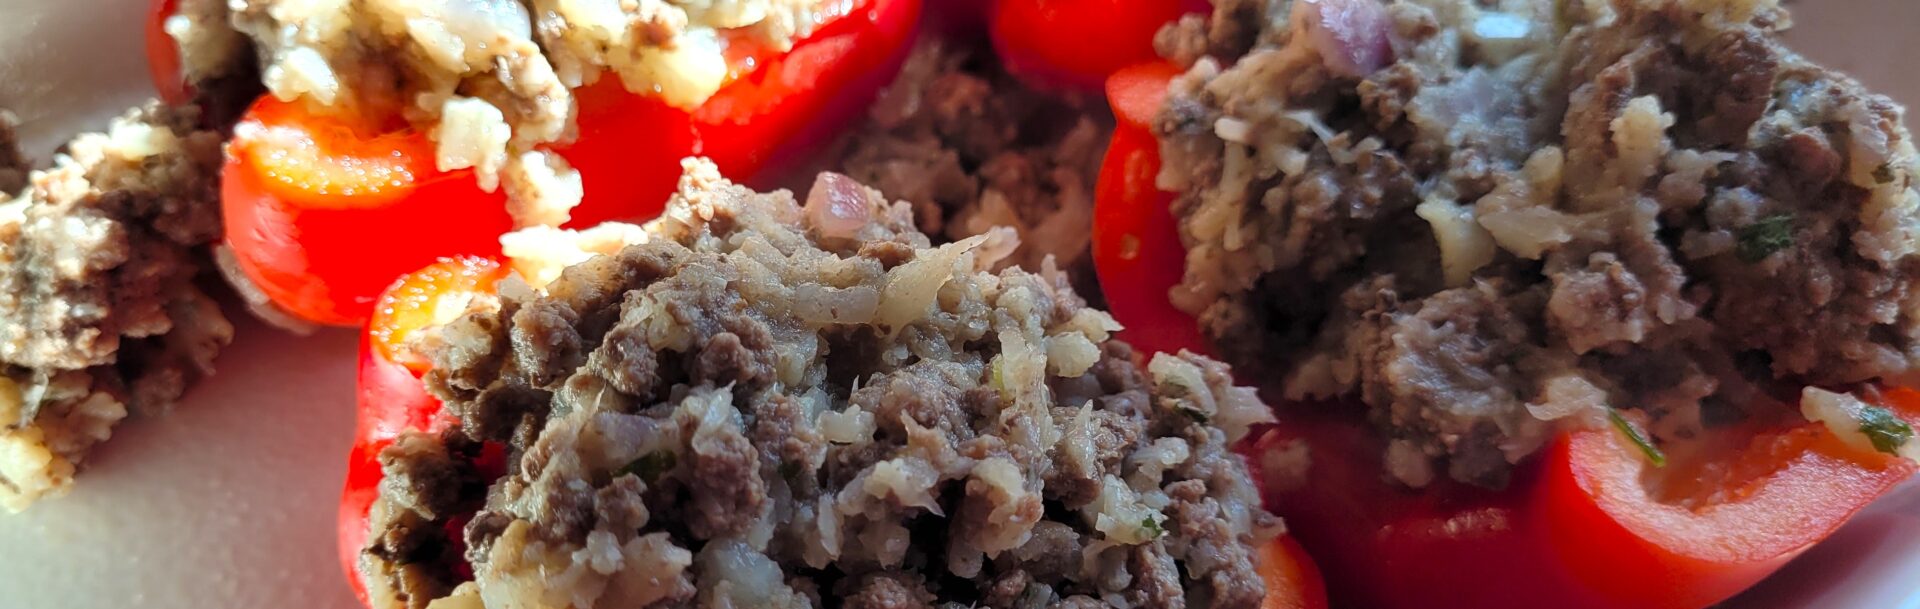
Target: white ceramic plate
[229, 501]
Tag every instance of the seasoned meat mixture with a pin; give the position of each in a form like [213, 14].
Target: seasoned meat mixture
[1489, 218]
[972, 149]
[777, 404]
[493, 81]
[99, 314]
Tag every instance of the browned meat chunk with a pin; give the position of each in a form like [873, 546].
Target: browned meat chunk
[972, 149]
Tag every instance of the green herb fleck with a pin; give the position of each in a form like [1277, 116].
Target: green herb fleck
[1153, 528]
[790, 471]
[1763, 238]
[1196, 415]
[1887, 432]
[1883, 174]
[1639, 438]
[651, 466]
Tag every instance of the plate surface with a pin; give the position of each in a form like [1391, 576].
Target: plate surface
[229, 501]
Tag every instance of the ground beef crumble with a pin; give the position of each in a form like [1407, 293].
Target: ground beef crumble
[973, 148]
[752, 408]
[1490, 219]
[99, 312]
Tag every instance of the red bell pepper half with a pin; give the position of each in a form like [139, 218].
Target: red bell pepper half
[392, 400]
[1590, 523]
[163, 55]
[1587, 524]
[390, 396]
[324, 209]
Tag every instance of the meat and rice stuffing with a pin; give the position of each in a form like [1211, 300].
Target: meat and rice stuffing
[1488, 219]
[99, 313]
[972, 149]
[492, 81]
[775, 404]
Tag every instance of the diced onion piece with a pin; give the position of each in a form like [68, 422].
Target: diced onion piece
[1464, 245]
[1349, 35]
[853, 426]
[910, 288]
[837, 206]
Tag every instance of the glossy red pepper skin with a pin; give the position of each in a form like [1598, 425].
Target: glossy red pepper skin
[758, 125]
[324, 211]
[1136, 241]
[390, 397]
[163, 55]
[1293, 579]
[1074, 45]
[1577, 528]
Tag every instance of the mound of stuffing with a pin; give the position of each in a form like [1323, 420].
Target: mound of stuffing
[492, 80]
[973, 149]
[99, 314]
[777, 404]
[1489, 219]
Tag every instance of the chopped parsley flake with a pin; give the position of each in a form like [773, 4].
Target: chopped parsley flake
[1887, 432]
[1659, 459]
[1152, 528]
[651, 466]
[1761, 239]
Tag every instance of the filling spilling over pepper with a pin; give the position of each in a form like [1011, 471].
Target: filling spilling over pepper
[1605, 288]
[755, 401]
[477, 117]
